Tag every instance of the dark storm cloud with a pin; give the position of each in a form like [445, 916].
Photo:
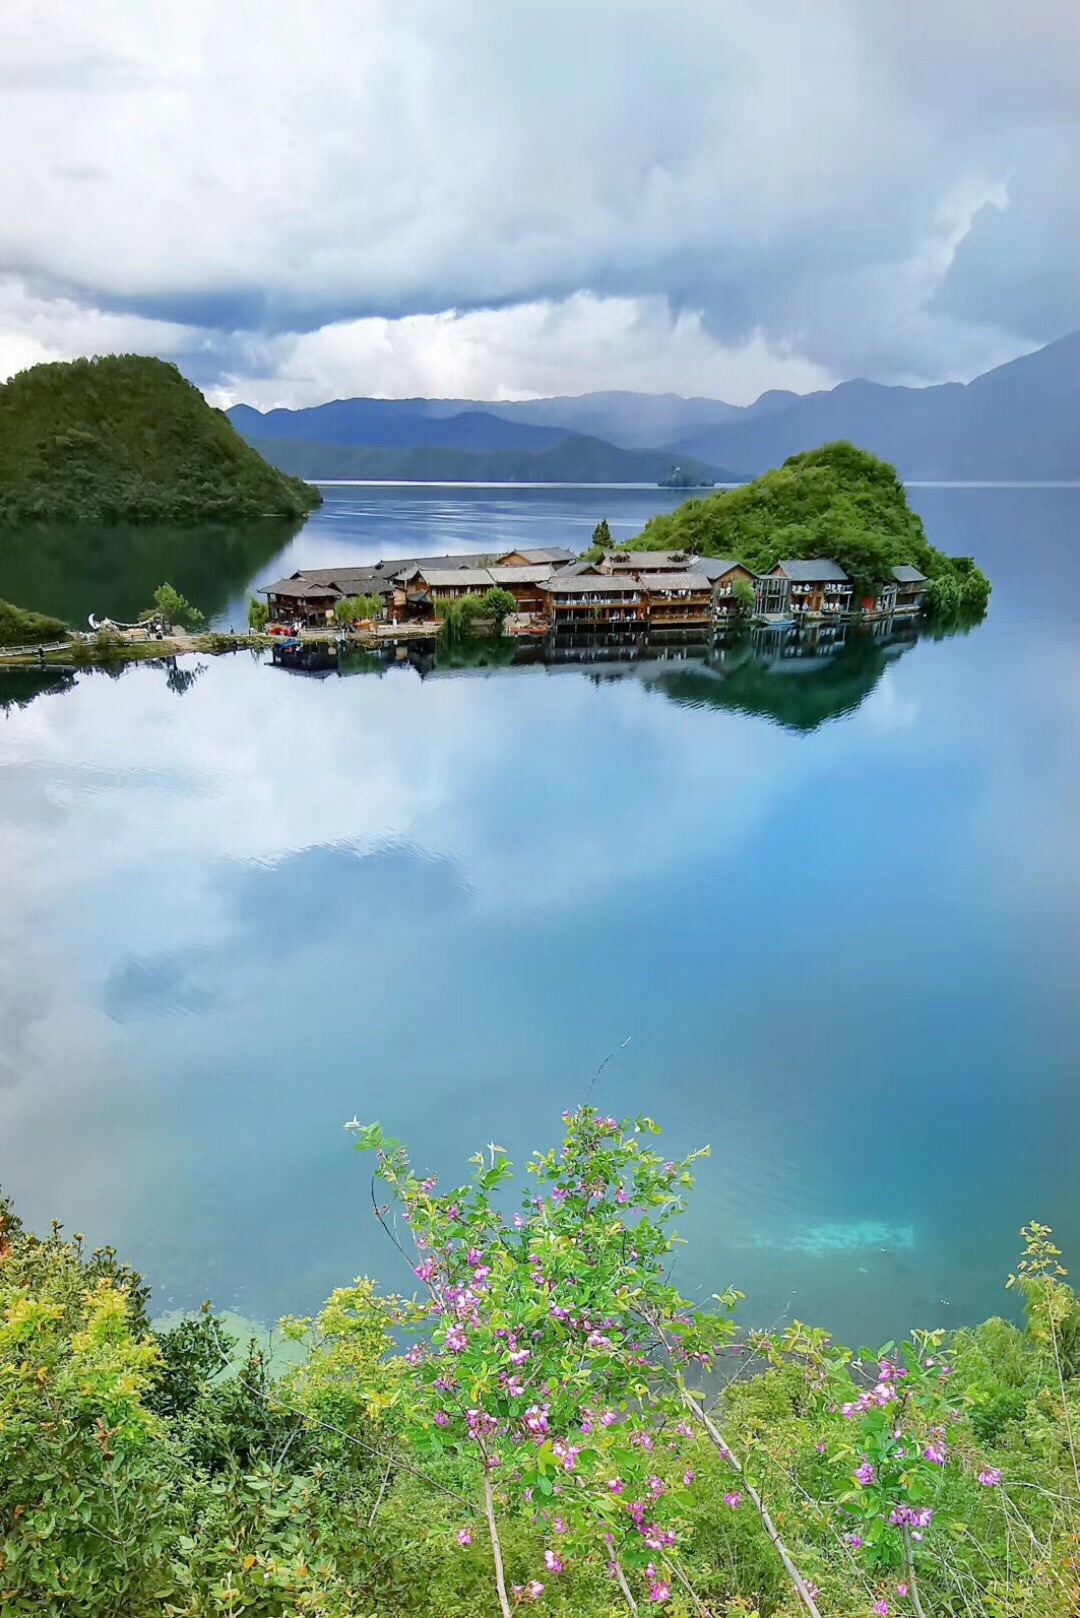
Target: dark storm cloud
[880, 189]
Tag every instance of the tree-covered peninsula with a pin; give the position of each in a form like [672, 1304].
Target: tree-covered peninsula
[838, 502]
[128, 439]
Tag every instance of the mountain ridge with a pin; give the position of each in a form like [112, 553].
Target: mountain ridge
[1019, 419]
[572, 458]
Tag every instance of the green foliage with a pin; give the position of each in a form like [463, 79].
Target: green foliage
[354, 609]
[743, 595]
[458, 616]
[127, 439]
[173, 609]
[258, 615]
[837, 502]
[497, 604]
[601, 536]
[21, 628]
[155, 1475]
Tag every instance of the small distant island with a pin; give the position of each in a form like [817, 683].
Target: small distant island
[679, 478]
[127, 439]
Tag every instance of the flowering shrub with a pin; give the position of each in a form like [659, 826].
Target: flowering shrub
[530, 1430]
[534, 1344]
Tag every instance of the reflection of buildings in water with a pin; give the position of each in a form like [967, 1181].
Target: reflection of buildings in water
[797, 675]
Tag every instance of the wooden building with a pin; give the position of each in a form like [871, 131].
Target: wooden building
[794, 588]
[642, 562]
[300, 600]
[588, 599]
[525, 583]
[678, 600]
[723, 575]
[910, 587]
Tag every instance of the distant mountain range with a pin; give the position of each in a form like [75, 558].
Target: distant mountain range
[1021, 420]
[571, 458]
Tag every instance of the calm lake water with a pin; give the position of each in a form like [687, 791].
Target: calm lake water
[831, 901]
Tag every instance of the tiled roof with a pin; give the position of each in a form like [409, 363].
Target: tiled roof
[677, 581]
[814, 572]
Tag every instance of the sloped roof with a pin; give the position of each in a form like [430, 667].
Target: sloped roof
[677, 581]
[296, 587]
[579, 566]
[584, 583]
[906, 574]
[522, 575]
[817, 571]
[473, 577]
[626, 560]
[547, 553]
[714, 567]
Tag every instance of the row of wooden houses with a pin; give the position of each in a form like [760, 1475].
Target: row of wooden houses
[657, 589]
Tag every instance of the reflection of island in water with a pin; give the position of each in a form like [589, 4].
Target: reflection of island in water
[69, 572]
[799, 677]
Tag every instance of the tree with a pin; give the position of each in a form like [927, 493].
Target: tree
[742, 592]
[172, 608]
[497, 604]
[458, 615]
[353, 609]
[601, 534]
[258, 614]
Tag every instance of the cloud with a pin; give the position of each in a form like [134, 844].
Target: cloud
[878, 189]
[576, 345]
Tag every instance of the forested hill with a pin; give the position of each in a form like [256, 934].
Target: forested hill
[571, 458]
[128, 439]
[838, 502]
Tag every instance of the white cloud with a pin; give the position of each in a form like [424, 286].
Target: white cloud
[786, 169]
[574, 346]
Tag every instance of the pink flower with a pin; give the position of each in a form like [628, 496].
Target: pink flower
[733, 1499]
[455, 1339]
[688, 1477]
[426, 1270]
[553, 1561]
[536, 1420]
[901, 1589]
[881, 1608]
[441, 1419]
[616, 1486]
[854, 1540]
[864, 1475]
[990, 1477]
[935, 1453]
[659, 1590]
[518, 1356]
[464, 1537]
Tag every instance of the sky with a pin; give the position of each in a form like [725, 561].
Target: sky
[471, 198]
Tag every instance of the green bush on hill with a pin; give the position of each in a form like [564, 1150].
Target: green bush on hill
[838, 502]
[157, 1474]
[21, 628]
[127, 439]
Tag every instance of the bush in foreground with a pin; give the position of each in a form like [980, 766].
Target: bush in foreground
[543, 1422]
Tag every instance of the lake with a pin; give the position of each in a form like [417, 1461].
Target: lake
[830, 901]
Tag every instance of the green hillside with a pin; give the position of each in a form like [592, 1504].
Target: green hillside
[838, 502]
[128, 439]
[573, 459]
[21, 628]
